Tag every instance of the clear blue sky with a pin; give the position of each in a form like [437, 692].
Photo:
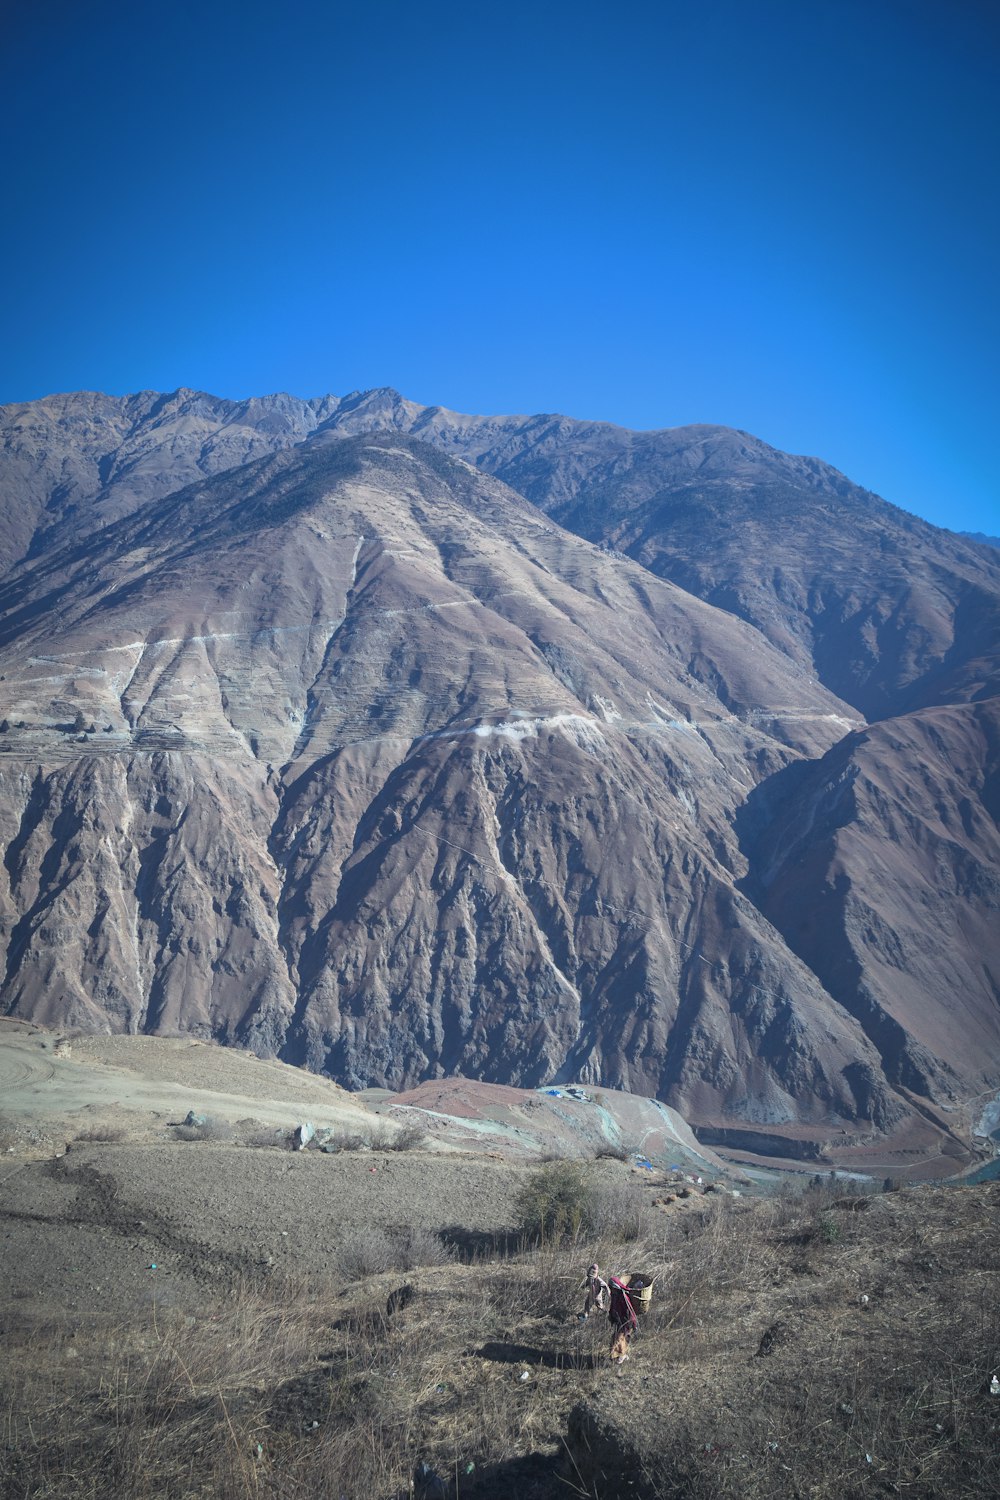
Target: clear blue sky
[777, 214]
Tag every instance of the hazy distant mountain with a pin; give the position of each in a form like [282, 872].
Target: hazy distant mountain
[391, 774]
[980, 536]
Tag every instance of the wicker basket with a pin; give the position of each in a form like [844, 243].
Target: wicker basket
[640, 1291]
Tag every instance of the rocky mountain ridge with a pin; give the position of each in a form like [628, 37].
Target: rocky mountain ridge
[390, 774]
[889, 612]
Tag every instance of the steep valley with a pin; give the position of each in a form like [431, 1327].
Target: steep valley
[321, 738]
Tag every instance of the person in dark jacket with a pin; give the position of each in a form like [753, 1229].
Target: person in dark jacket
[621, 1316]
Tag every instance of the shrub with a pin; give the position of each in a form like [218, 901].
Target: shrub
[388, 1137]
[343, 1140]
[608, 1152]
[828, 1230]
[620, 1209]
[369, 1252]
[422, 1247]
[409, 1137]
[263, 1137]
[554, 1202]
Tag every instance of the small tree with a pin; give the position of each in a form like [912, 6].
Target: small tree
[554, 1202]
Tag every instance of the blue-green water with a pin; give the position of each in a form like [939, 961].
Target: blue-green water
[989, 1172]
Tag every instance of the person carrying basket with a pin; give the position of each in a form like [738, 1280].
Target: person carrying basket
[623, 1320]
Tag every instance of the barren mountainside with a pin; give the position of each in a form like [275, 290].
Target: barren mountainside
[323, 734]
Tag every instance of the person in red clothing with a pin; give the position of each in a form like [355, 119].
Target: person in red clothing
[621, 1316]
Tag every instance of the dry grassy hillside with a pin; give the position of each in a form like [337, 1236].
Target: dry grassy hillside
[802, 1345]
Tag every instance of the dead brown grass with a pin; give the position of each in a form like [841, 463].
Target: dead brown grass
[759, 1371]
[103, 1134]
[819, 1347]
[210, 1129]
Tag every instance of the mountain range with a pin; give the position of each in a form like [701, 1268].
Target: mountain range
[401, 743]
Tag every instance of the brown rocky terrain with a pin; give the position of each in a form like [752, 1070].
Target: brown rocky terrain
[351, 755]
[908, 806]
[891, 612]
[74, 462]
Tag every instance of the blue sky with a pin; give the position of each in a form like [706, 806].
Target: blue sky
[780, 215]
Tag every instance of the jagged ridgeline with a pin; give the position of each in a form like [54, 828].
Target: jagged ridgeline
[322, 734]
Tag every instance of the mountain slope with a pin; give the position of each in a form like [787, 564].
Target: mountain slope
[890, 612]
[880, 865]
[391, 774]
[70, 464]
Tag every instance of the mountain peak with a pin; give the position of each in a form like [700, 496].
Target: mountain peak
[401, 741]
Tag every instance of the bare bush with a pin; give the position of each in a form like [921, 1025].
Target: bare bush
[408, 1137]
[609, 1152]
[344, 1140]
[259, 1139]
[422, 1247]
[386, 1136]
[619, 1209]
[369, 1252]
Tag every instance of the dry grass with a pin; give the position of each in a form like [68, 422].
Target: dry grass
[820, 1347]
[759, 1371]
[104, 1134]
[210, 1129]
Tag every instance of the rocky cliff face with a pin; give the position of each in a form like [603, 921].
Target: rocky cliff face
[349, 753]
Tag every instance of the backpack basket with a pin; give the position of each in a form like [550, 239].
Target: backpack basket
[640, 1291]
